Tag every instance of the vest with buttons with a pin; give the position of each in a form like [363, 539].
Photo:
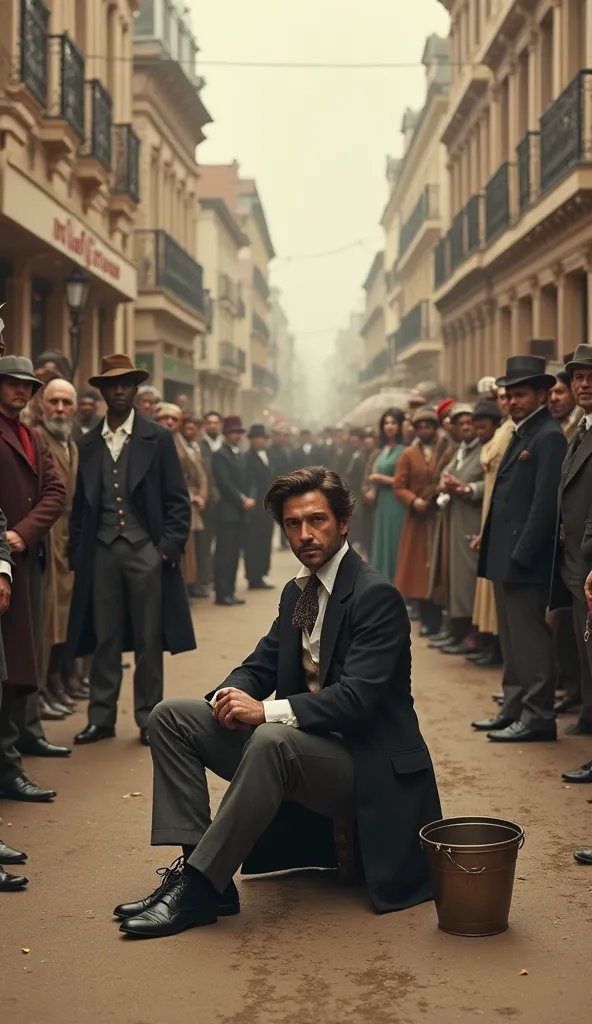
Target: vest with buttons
[117, 518]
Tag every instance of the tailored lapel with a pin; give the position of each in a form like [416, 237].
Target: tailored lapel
[90, 464]
[10, 437]
[344, 584]
[519, 443]
[574, 464]
[142, 451]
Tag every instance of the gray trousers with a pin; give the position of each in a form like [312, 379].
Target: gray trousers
[267, 765]
[580, 615]
[529, 657]
[126, 580]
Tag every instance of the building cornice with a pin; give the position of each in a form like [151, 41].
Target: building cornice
[375, 268]
[221, 209]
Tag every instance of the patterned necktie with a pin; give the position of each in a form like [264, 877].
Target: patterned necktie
[575, 444]
[307, 607]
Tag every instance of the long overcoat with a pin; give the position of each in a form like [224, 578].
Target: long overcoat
[416, 478]
[5, 556]
[365, 696]
[161, 503]
[492, 453]
[32, 500]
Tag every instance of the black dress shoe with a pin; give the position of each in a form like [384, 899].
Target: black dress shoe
[474, 656]
[188, 902]
[238, 600]
[47, 713]
[441, 641]
[261, 585]
[583, 856]
[517, 732]
[228, 902]
[578, 729]
[11, 883]
[583, 774]
[199, 591]
[425, 631]
[21, 788]
[144, 738]
[10, 856]
[488, 724]
[460, 648]
[226, 602]
[497, 698]
[94, 733]
[566, 706]
[42, 748]
[489, 659]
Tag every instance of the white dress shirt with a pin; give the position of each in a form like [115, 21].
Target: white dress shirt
[117, 439]
[264, 457]
[5, 569]
[214, 443]
[588, 419]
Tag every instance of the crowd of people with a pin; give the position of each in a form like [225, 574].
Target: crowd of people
[119, 510]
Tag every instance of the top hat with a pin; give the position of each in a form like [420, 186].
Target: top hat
[232, 425]
[20, 368]
[257, 430]
[526, 370]
[117, 365]
[581, 357]
[426, 413]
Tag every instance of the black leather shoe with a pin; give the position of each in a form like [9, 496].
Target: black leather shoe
[228, 902]
[42, 748]
[487, 724]
[578, 729]
[474, 656]
[460, 648]
[94, 733]
[10, 856]
[11, 883]
[144, 738]
[441, 641]
[583, 856]
[226, 602]
[21, 788]
[566, 706]
[583, 774]
[189, 901]
[489, 659]
[238, 600]
[261, 585]
[425, 631]
[199, 591]
[497, 698]
[47, 713]
[517, 732]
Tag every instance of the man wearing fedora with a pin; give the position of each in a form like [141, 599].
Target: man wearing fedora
[516, 554]
[230, 479]
[32, 497]
[259, 476]
[129, 525]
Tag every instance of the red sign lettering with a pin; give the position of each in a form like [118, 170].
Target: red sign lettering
[84, 245]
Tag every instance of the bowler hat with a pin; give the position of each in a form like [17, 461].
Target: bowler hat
[257, 430]
[425, 414]
[581, 357]
[460, 409]
[526, 370]
[487, 409]
[117, 365]
[232, 425]
[20, 368]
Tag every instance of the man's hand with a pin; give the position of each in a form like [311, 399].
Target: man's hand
[198, 502]
[420, 505]
[5, 592]
[15, 542]
[476, 544]
[248, 504]
[234, 708]
[588, 591]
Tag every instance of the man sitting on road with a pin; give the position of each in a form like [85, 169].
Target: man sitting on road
[340, 741]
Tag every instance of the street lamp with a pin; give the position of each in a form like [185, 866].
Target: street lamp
[76, 294]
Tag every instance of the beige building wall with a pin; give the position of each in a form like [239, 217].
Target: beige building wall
[513, 272]
[375, 370]
[68, 175]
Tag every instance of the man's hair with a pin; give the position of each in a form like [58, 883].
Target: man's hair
[357, 432]
[212, 412]
[149, 389]
[301, 481]
[93, 395]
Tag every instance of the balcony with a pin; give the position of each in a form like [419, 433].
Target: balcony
[565, 136]
[260, 283]
[33, 49]
[231, 357]
[414, 326]
[441, 262]
[376, 367]
[157, 21]
[241, 311]
[456, 240]
[393, 277]
[259, 326]
[98, 145]
[264, 380]
[474, 224]
[163, 263]
[497, 203]
[426, 209]
[227, 292]
[528, 161]
[66, 83]
[126, 162]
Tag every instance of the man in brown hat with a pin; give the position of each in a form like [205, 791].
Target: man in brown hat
[231, 511]
[130, 523]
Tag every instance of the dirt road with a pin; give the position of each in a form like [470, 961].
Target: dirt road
[304, 950]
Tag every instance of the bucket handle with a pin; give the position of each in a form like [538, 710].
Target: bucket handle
[468, 871]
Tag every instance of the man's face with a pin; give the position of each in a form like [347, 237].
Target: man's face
[355, 442]
[170, 420]
[484, 429]
[282, 438]
[259, 444]
[233, 438]
[119, 396]
[426, 431]
[338, 438]
[582, 388]
[87, 410]
[147, 404]
[502, 401]
[523, 400]
[312, 529]
[463, 429]
[369, 442]
[14, 396]
[213, 427]
[561, 401]
[190, 431]
[305, 437]
[184, 402]
[58, 405]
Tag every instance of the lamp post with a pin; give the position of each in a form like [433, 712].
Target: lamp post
[76, 294]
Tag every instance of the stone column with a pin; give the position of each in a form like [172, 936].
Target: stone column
[494, 131]
[569, 314]
[17, 312]
[558, 32]
[534, 81]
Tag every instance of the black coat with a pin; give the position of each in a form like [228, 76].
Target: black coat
[519, 533]
[229, 476]
[160, 502]
[365, 674]
[300, 459]
[5, 556]
[574, 518]
[281, 459]
[257, 478]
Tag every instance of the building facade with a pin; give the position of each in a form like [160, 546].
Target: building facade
[171, 311]
[283, 359]
[344, 369]
[69, 178]
[375, 373]
[513, 273]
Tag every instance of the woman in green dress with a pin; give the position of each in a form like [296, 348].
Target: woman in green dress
[390, 513]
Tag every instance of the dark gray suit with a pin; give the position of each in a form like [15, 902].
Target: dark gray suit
[229, 474]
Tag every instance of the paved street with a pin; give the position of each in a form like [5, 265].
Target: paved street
[304, 950]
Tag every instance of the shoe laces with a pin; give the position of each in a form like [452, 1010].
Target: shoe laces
[168, 874]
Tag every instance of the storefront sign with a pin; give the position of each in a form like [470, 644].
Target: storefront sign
[82, 244]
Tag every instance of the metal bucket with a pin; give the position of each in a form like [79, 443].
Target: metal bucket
[472, 863]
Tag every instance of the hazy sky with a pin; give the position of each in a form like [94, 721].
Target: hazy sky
[315, 140]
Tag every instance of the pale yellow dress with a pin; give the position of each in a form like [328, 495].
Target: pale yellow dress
[492, 453]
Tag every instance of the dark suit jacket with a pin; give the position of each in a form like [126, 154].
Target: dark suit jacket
[257, 477]
[229, 476]
[574, 521]
[5, 556]
[161, 503]
[518, 536]
[314, 457]
[281, 459]
[365, 674]
[356, 471]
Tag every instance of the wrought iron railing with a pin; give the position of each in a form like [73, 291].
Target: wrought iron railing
[232, 356]
[66, 82]
[34, 37]
[497, 203]
[474, 223]
[528, 160]
[260, 283]
[259, 326]
[163, 263]
[456, 240]
[99, 122]
[264, 379]
[426, 208]
[441, 262]
[126, 161]
[566, 137]
[378, 365]
[415, 325]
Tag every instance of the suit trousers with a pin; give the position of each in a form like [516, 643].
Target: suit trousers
[229, 543]
[580, 616]
[258, 537]
[127, 584]
[529, 658]
[265, 766]
[203, 546]
[567, 653]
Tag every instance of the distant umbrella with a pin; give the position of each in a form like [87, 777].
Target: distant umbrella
[368, 412]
